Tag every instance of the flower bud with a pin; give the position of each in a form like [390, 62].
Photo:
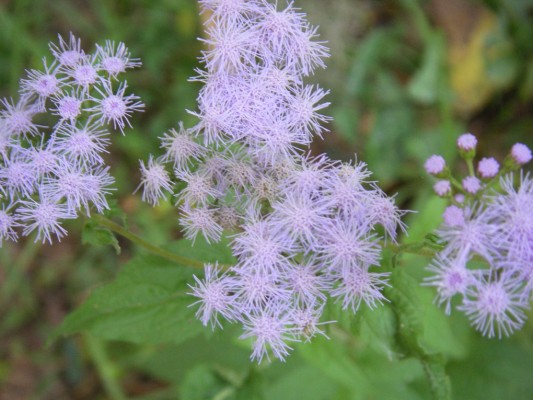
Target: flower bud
[442, 188]
[466, 144]
[436, 166]
[488, 168]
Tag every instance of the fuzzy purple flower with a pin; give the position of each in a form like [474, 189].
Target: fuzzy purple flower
[215, 295]
[495, 306]
[492, 224]
[51, 173]
[154, 181]
[302, 228]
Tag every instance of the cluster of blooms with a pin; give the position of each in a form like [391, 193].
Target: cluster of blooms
[487, 232]
[302, 228]
[48, 174]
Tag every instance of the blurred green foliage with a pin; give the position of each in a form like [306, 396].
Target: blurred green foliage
[407, 77]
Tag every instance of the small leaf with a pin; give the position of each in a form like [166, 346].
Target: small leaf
[97, 235]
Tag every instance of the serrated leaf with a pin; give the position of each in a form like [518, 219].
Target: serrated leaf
[147, 303]
[410, 312]
[407, 306]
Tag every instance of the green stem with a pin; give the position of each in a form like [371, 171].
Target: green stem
[419, 249]
[104, 367]
[470, 166]
[103, 221]
[457, 185]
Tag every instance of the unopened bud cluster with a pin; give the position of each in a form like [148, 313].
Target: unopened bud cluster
[488, 223]
[302, 228]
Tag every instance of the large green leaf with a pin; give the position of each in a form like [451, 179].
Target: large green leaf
[148, 301]
[304, 382]
[495, 369]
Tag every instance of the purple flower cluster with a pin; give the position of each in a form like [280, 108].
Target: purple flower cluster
[302, 228]
[50, 173]
[487, 258]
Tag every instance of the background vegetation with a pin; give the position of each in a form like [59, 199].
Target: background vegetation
[406, 78]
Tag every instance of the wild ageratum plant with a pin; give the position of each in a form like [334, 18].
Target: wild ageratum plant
[487, 235]
[303, 228]
[304, 231]
[50, 173]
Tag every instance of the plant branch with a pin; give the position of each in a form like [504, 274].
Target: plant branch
[420, 249]
[105, 222]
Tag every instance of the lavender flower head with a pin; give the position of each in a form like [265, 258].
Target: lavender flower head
[302, 228]
[51, 173]
[493, 224]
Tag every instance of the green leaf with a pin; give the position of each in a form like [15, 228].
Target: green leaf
[377, 329]
[166, 362]
[410, 312]
[429, 216]
[495, 369]
[438, 379]
[407, 306]
[331, 357]
[424, 86]
[147, 303]
[305, 382]
[394, 123]
[361, 372]
[365, 63]
[116, 211]
[202, 383]
[97, 235]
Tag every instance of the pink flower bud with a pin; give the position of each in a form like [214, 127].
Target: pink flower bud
[442, 188]
[435, 165]
[488, 167]
[453, 216]
[521, 154]
[467, 142]
[471, 184]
